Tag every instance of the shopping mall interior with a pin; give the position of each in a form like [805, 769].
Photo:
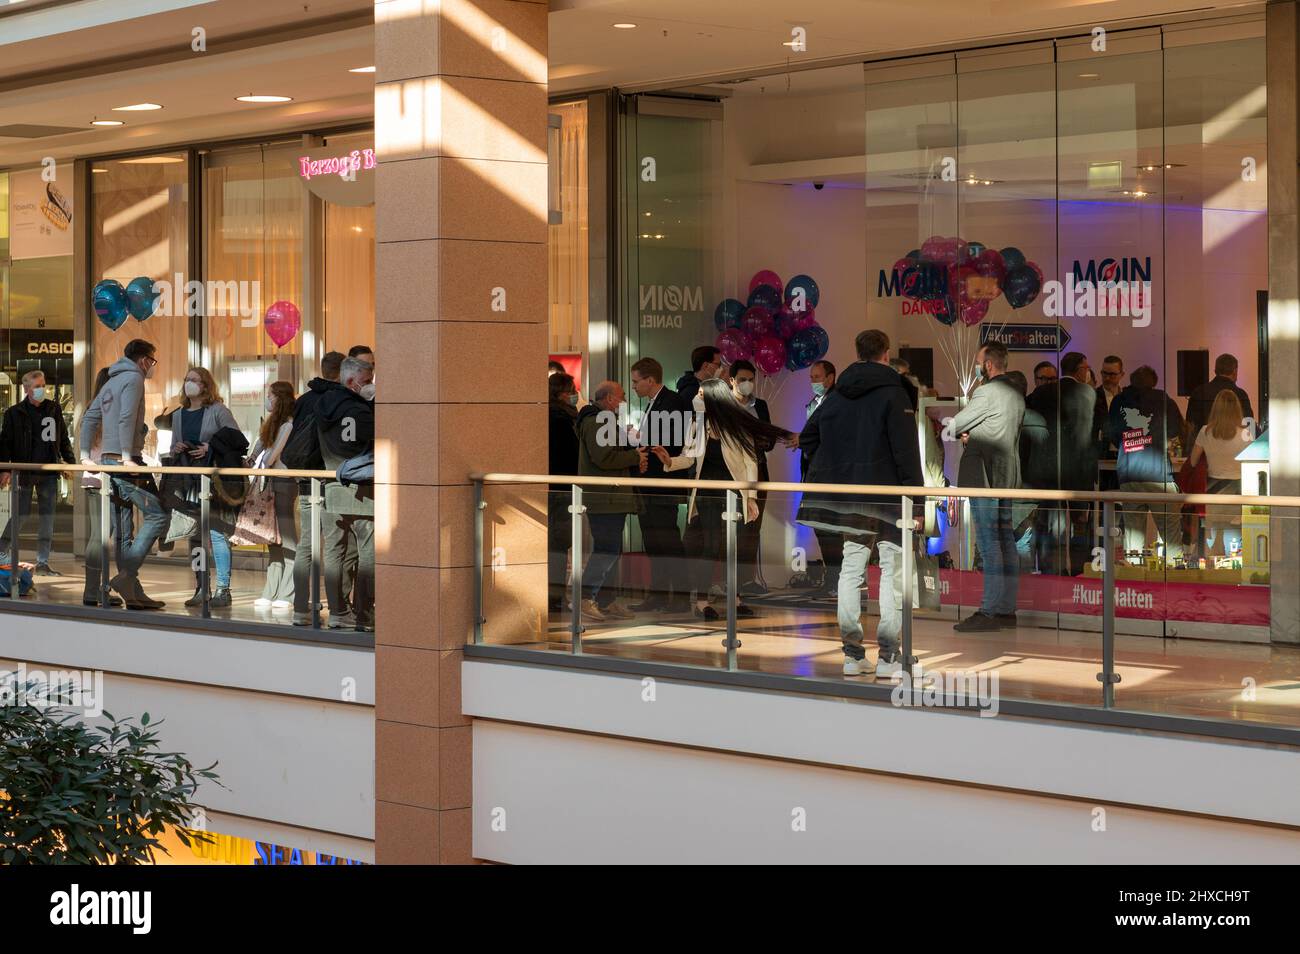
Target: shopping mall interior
[687, 149]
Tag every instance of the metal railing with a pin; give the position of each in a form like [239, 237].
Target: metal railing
[908, 496]
[105, 504]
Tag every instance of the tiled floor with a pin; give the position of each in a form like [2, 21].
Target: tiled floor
[1193, 677]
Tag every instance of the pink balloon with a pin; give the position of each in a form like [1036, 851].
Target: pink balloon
[784, 324]
[766, 277]
[769, 354]
[804, 319]
[990, 265]
[735, 345]
[973, 312]
[756, 322]
[1037, 271]
[283, 320]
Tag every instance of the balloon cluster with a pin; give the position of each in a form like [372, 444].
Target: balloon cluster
[776, 327]
[113, 303]
[963, 278]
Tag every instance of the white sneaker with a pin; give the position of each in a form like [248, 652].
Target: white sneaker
[854, 667]
[592, 612]
[279, 604]
[261, 602]
[887, 670]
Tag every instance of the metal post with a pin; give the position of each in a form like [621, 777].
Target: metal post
[479, 506]
[730, 519]
[205, 525]
[105, 505]
[315, 562]
[576, 509]
[15, 527]
[1108, 677]
[909, 562]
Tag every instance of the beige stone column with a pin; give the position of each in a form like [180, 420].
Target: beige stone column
[460, 131]
[1283, 318]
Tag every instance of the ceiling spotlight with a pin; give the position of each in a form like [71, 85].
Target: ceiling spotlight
[137, 108]
[1089, 76]
[1156, 167]
[264, 99]
[97, 169]
[362, 69]
[624, 26]
[107, 122]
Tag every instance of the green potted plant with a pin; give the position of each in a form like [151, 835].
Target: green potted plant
[72, 792]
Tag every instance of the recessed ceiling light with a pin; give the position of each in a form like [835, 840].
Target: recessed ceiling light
[624, 26]
[151, 161]
[107, 122]
[261, 98]
[97, 169]
[137, 108]
[1089, 76]
[362, 69]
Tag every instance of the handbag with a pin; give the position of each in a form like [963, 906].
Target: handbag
[929, 589]
[255, 524]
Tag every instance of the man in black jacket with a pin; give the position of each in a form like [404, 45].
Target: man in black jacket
[1069, 456]
[865, 433]
[706, 363]
[346, 426]
[34, 432]
[1202, 399]
[563, 460]
[663, 424]
[743, 381]
[305, 440]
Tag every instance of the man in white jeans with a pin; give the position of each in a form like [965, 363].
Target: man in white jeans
[864, 432]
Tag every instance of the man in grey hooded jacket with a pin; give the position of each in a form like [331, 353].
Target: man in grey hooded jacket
[116, 418]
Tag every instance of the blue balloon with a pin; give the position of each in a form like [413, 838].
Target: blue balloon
[802, 348]
[812, 294]
[141, 298]
[110, 303]
[728, 313]
[765, 296]
[1012, 257]
[822, 339]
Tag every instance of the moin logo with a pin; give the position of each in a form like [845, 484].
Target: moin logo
[663, 306]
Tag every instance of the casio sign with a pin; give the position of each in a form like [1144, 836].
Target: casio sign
[49, 347]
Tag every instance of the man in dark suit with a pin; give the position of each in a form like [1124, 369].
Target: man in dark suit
[1202, 399]
[663, 424]
[743, 381]
[1069, 408]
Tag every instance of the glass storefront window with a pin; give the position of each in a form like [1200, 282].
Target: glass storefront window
[566, 246]
[140, 228]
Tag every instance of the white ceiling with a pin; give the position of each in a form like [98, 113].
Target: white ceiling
[69, 79]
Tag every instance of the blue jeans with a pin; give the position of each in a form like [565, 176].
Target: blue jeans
[606, 548]
[152, 526]
[995, 537]
[220, 556]
[47, 491]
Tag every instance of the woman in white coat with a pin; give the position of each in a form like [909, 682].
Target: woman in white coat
[721, 445]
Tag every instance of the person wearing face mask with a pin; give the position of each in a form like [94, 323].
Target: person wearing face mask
[115, 420]
[706, 364]
[989, 428]
[563, 414]
[346, 428]
[33, 432]
[744, 379]
[821, 378]
[195, 424]
[277, 592]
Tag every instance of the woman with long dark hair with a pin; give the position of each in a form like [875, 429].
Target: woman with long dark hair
[277, 591]
[722, 444]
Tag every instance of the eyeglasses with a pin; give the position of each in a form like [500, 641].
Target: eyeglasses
[1110, 374]
[1044, 378]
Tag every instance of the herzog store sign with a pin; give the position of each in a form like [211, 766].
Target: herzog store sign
[339, 176]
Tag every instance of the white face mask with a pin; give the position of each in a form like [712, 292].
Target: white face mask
[38, 394]
[269, 405]
[746, 388]
[367, 391]
[193, 389]
[698, 403]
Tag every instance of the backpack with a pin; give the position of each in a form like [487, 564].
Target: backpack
[302, 449]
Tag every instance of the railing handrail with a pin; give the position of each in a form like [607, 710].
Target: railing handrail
[161, 469]
[1000, 493]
